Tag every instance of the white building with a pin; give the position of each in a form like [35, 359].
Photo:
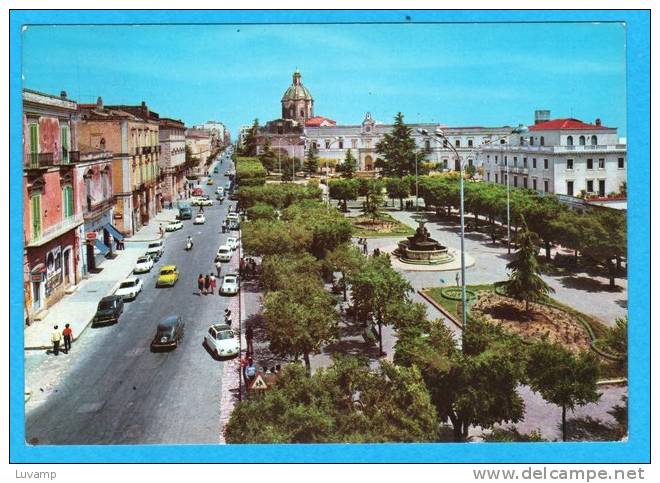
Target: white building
[216, 128]
[562, 156]
[333, 141]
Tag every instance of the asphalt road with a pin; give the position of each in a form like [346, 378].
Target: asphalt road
[118, 391]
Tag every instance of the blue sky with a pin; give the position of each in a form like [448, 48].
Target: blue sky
[453, 74]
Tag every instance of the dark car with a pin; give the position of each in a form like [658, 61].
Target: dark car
[216, 170]
[108, 310]
[185, 213]
[168, 333]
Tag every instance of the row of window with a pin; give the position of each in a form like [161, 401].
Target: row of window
[601, 163]
[35, 209]
[34, 144]
[590, 187]
[504, 180]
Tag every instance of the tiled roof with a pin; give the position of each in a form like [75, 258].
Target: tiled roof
[318, 120]
[565, 124]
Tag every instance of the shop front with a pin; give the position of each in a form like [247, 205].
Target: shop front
[100, 237]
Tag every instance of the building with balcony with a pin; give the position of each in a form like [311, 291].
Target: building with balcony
[51, 217]
[199, 143]
[172, 138]
[562, 156]
[133, 139]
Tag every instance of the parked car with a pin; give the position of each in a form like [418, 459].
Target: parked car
[174, 225]
[143, 265]
[229, 284]
[168, 276]
[219, 190]
[216, 170]
[108, 310]
[169, 333]
[155, 250]
[200, 219]
[202, 201]
[198, 191]
[129, 288]
[232, 242]
[224, 253]
[222, 341]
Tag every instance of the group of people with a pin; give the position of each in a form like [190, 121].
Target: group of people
[247, 267]
[56, 338]
[207, 284]
[410, 204]
[250, 368]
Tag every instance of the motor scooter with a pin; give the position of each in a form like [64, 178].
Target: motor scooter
[189, 245]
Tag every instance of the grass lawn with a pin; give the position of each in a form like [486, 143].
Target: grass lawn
[385, 226]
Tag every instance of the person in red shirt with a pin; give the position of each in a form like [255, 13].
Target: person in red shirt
[68, 336]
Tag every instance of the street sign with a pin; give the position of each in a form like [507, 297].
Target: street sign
[258, 384]
[37, 277]
[91, 235]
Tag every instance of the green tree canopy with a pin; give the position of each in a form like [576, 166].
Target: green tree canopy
[563, 378]
[344, 190]
[312, 160]
[398, 150]
[261, 211]
[277, 271]
[346, 403]
[348, 167]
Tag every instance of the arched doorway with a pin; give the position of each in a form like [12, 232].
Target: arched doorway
[67, 265]
[368, 163]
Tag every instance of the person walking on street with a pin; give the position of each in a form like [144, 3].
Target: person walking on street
[68, 335]
[458, 280]
[249, 336]
[55, 338]
[218, 268]
[200, 283]
[207, 284]
[160, 230]
[228, 317]
[213, 282]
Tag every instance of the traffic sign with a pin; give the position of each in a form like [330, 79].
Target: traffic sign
[259, 384]
[91, 235]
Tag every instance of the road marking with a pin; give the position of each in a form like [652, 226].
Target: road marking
[90, 407]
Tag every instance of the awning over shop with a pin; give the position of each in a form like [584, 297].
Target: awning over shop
[114, 232]
[103, 248]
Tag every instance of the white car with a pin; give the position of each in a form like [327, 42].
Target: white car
[200, 219]
[220, 191]
[229, 284]
[202, 201]
[232, 242]
[143, 265]
[224, 253]
[129, 288]
[222, 341]
[174, 225]
[155, 250]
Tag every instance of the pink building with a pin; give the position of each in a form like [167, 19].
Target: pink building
[51, 218]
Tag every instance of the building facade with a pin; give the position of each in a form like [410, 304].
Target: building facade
[51, 215]
[561, 156]
[172, 138]
[220, 136]
[299, 129]
[134, 141]
[199, 142]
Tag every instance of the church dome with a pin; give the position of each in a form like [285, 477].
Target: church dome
[296, 90]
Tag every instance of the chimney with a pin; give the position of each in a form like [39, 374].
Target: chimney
[99, 103]
[145, 110]
[598, 121]
[541, 116]
[63, 94]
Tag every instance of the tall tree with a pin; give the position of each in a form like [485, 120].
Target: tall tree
[399, 150]
[562, 378]
[250, 142]
[345, 259]
[300, 319]
[373, 200]
[343, 190]
[525, 282]
[397, 189]
[476, 387]
[348, 167]
[609, 244]
[312, 160]
[267, 156]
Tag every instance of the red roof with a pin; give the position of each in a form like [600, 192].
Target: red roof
[318, 120]
[567, 124]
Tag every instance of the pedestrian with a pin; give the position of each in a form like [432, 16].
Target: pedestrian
[251, 369]
[253, 268]
[213, 282]
[160, 229]
[200, 283]
[117, 244]
[228, 316]
[55, 338]
[218, 268]
[458, 279]
[241, 267]
[68, 335]
[249, 336]
[365, 248]
[207, 284]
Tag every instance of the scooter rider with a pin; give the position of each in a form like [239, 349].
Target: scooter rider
[189, 243]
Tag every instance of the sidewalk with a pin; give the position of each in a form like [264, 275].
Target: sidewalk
[79, 307]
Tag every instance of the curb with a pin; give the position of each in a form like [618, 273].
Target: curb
[441, 309]
[613, 382]
[80, 332]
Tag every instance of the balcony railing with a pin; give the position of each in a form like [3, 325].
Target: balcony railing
[40, 160]
[56, 230]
